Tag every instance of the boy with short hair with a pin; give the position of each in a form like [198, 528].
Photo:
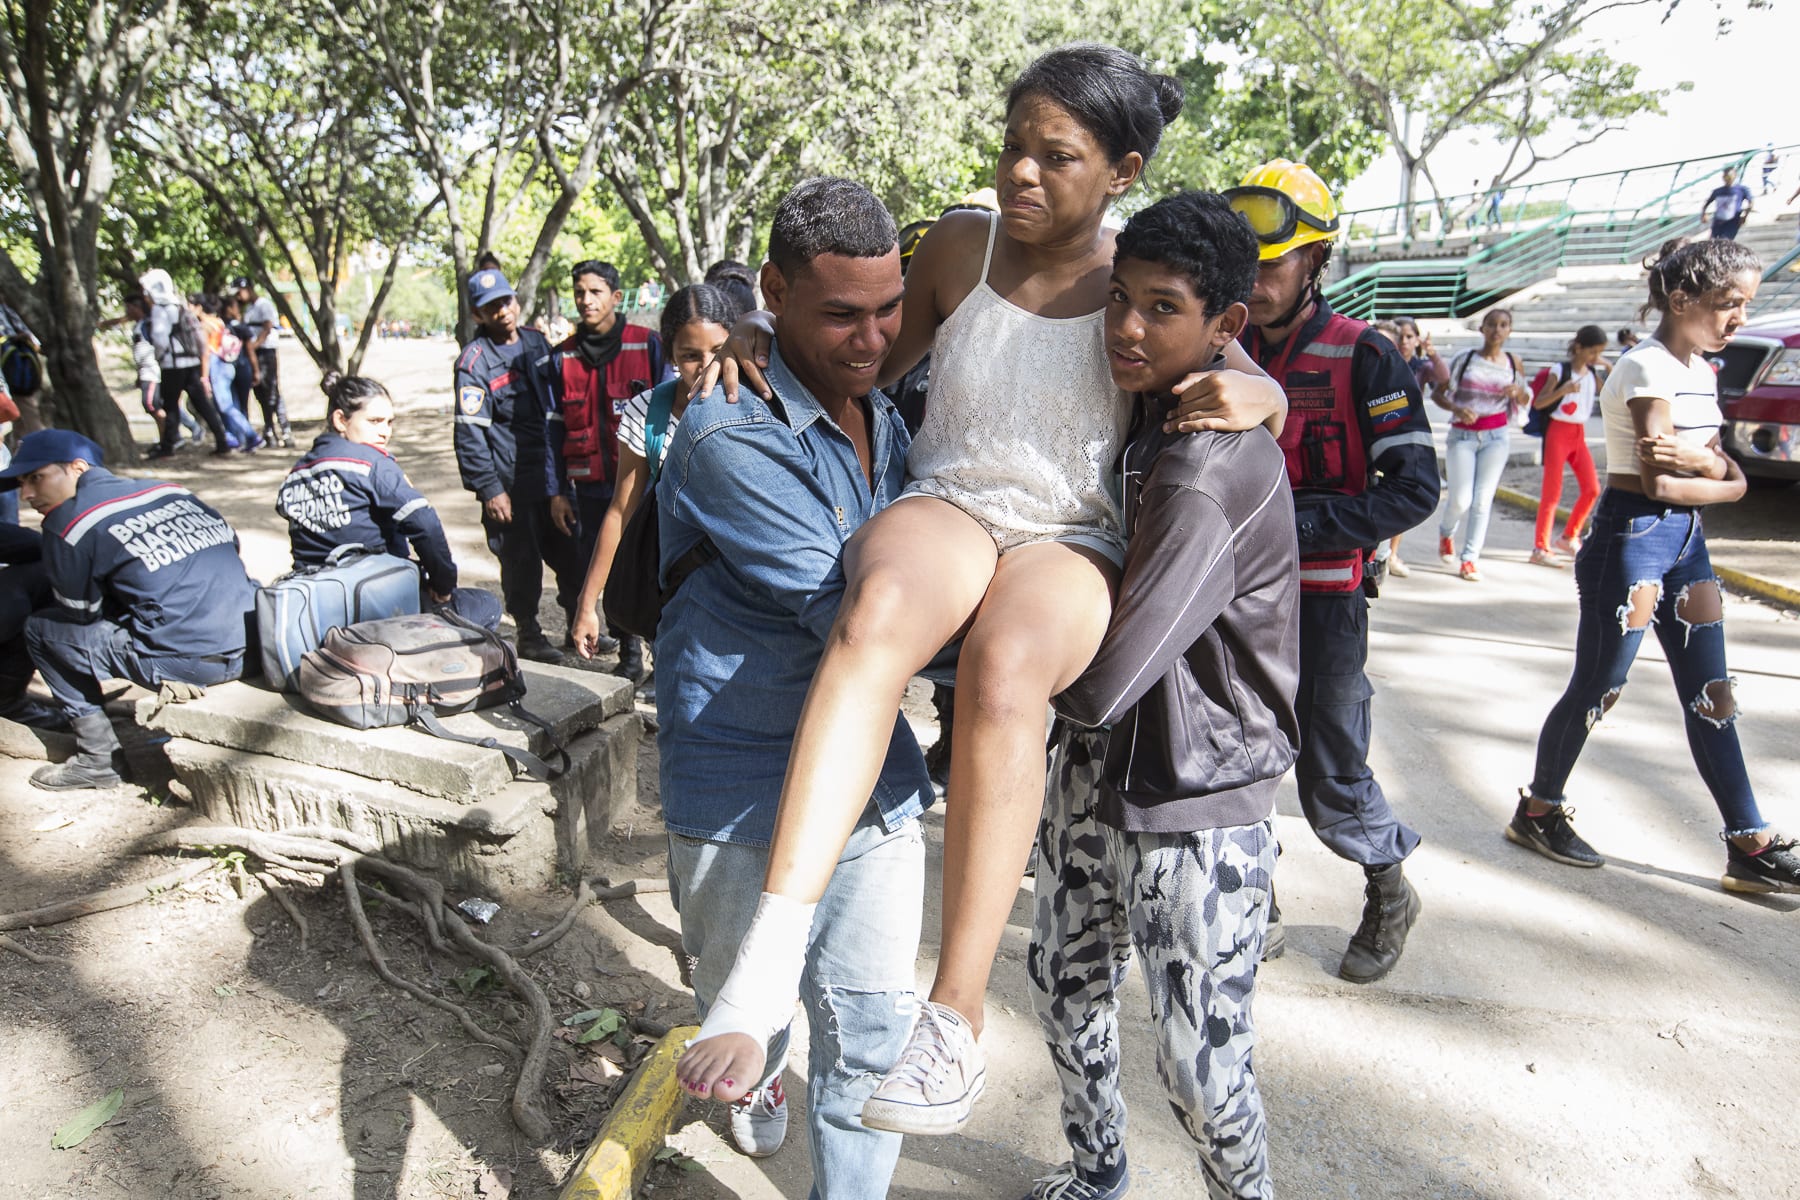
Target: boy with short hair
[1158, 832]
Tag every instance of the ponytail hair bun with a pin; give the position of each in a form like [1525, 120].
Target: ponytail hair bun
[1695, 267]
[1109, 91]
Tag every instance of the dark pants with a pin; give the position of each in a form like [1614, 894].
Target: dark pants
[268, 392]
[525, 546]
[23, 590]
[1338, 792]
[75, 657]
[9, 507]
[175, 381]
[1728, 230]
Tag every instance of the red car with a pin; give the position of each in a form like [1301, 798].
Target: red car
[1759, 391]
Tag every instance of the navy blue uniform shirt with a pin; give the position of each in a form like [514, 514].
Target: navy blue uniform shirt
[152, 557]
[501, 435]
[344, 493]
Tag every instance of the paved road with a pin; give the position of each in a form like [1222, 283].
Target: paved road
[1627, 1032]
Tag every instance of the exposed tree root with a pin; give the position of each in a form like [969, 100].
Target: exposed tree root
[287, 905]
[41, 960]
[105, 901]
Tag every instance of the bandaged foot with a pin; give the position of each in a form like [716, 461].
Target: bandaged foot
[725, 1062]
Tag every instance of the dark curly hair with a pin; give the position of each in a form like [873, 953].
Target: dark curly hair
[1109, 91]
[1200, 235]
[1694, 268]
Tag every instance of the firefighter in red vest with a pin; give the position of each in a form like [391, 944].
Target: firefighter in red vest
[591, 375]
[1363, 468]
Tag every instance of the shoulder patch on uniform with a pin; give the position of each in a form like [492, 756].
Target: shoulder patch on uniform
[470, 400]
[1380, 406]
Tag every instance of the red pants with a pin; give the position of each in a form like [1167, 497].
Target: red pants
[1565, 442]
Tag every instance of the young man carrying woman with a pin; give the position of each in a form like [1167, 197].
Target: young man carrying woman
[1007, 537]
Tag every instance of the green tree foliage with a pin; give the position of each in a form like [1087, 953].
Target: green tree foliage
[292, 146]
[70, 76]
[1421, 70]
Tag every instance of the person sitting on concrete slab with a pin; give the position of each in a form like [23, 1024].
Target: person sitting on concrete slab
[1159, 836]
[147, 583]
[348, 491]
[23, 590]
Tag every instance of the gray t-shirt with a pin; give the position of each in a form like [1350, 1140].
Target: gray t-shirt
[260, 316]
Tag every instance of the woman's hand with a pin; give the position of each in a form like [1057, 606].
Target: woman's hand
[1670, 453]
[1462, 416]
[586, 631]
[1223, 400]
[745, 356]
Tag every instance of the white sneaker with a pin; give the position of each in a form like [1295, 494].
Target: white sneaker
[934, 1086]
[759, 1121]
[1397, 567]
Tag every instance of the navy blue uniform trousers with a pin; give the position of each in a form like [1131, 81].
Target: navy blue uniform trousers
[75, 657]
[1338, 792]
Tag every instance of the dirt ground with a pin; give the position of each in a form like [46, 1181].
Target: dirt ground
[253, 1067]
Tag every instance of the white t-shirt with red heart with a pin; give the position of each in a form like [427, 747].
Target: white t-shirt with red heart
[1577, 406]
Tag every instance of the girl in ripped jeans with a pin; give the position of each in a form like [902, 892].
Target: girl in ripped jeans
[1645, 566]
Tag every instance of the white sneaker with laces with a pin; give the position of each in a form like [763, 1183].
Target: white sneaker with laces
[934, 1086]
[759, 1121]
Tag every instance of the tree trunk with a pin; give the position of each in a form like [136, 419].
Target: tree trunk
[81, 400]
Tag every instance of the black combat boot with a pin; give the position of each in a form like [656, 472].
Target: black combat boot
[1388, 913]
[533, 645]
[631, 658]
[97, 758]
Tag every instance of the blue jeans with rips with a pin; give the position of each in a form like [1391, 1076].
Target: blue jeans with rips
[857, 988]
[1640, 543]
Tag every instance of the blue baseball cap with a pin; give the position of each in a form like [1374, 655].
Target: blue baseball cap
[487, 286]
[48, 446]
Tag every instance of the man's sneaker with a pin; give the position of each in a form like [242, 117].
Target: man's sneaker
[1774, 868]
[934, 1086]
[1551, 835]
[1447, 551]
[1067, 1184]
[759, 1120]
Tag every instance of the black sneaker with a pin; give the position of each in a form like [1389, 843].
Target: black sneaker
[533, 645]
[1551, 835]
[1776, 868]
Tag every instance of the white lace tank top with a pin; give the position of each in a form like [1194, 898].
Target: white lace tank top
[1022, 423]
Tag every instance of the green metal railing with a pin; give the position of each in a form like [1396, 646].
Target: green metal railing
[1780, 290]
[1434, 221]
[1543, 238]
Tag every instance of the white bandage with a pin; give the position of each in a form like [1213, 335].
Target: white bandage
[758, 997]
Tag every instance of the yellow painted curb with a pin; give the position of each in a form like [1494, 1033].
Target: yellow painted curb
[616, 1163]
[1735, 579]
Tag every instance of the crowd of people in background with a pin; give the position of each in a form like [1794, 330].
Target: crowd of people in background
[1145, 478]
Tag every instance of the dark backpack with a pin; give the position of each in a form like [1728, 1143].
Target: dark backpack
[410, 670]
[634, 596]
[21, 367]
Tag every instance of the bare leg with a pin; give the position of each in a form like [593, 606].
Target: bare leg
[1042, 620]
[916, 573]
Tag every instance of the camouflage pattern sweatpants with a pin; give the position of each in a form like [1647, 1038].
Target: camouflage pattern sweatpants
[1195, 907]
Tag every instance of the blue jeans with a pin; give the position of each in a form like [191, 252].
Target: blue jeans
[236, 427]
[1637, 542]
[1473, 461]
[857, 988]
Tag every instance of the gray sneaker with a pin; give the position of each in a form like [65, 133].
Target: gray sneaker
[759, 1121]
[1066, 1184]
[934, 1086]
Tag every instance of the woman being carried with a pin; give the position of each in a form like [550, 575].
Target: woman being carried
[1008, 537]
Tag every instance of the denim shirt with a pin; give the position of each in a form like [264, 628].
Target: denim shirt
[779, 491]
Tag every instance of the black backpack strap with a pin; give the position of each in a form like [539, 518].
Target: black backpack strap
[524, 760]
[701, 553]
